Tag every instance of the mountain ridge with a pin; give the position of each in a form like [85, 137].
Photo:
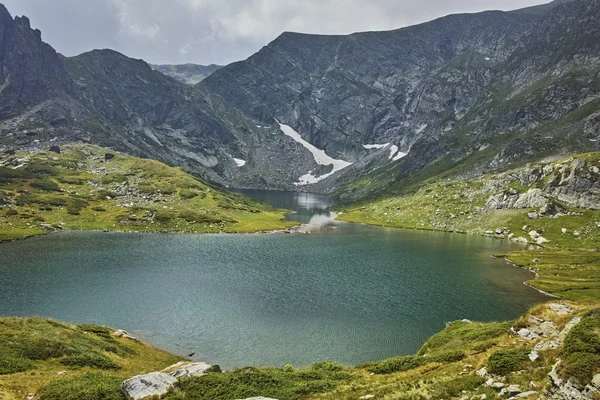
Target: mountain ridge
[446, 88]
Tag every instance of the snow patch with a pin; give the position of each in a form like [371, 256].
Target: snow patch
[240, 163]
[487, 59]
[395, 154]
[375, 146]
[422, 128]
[319, 155]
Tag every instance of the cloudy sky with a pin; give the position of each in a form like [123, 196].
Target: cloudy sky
[220, 31]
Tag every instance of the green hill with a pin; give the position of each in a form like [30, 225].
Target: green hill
[88, 187]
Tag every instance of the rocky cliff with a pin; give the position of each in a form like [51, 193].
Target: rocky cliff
[496, 87]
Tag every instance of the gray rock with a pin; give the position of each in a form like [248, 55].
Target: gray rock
[152, 384]
[534, 356]
[526, 394]
[194, 369]
[560, 309]
[258, 398]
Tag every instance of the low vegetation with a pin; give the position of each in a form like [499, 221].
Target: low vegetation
[62, 361]
[82, 188]
[282, 384]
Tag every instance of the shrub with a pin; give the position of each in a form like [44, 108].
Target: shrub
[83, 387]
[45, 184]
[483, 346]
[449, 356]
[187, 194]
[75, 205]
[252, 382]
[396, 364]
[37, 348]
[96, 329]
[581, 349]
[581, 366]
[89, 359]
[10, 364]
[506, 361]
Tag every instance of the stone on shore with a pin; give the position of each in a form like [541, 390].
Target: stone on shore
[143, 386]
[187, 370]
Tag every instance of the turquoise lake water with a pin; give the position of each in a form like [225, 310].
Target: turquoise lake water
[348, 293]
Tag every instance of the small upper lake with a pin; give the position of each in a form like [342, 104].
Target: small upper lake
[350, 294]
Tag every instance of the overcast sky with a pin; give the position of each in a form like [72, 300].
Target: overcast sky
[221, 31]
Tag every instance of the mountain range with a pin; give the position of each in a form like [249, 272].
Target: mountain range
[354, 115]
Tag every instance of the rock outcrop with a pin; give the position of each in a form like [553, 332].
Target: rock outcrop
[143, 386]
[559, 389]
[158, 383]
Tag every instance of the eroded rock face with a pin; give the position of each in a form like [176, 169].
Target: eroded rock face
[143, 386]
[558, 389]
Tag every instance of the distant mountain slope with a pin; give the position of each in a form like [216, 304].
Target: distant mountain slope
[190, 74]
[454, 87]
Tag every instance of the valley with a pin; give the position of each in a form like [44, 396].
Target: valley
[411, 214]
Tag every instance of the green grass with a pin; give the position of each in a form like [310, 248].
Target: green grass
[282, 384]
[84, 387]
[35, 350]
[78, 189]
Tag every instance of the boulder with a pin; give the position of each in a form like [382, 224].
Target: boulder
[534, 356]
[526, 394]
[194, 369]
[262, 398]
[560, 309]
[55, 149]
[482, 372]
[152, 384]
[541, 240]
[532, 199]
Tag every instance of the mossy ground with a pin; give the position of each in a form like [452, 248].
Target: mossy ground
[79, 189]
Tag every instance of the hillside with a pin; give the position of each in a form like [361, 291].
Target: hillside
[87, 187]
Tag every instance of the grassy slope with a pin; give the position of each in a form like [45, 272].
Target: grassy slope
[35, 350]
[78, 189]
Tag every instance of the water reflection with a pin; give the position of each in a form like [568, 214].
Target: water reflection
[308, 208]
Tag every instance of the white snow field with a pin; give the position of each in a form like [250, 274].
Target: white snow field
[319, 155]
